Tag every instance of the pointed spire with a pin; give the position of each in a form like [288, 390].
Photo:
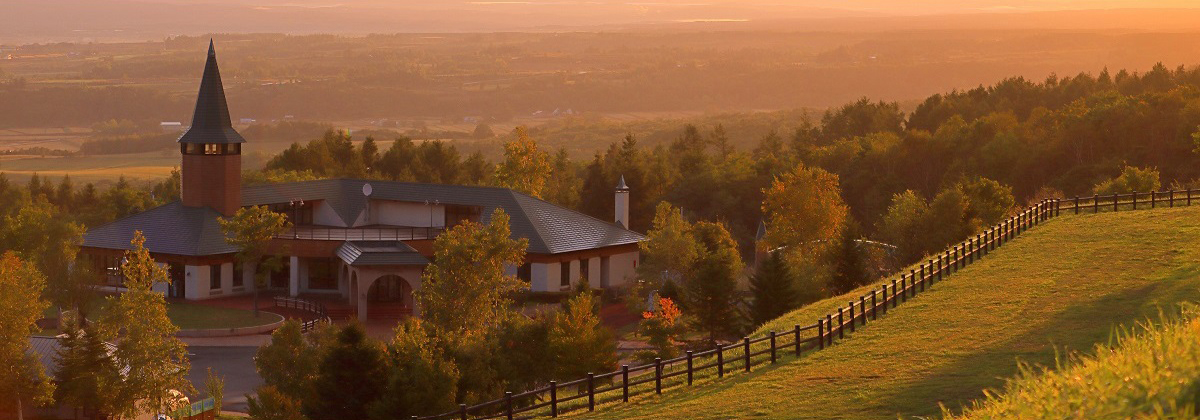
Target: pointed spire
[210, 122]
[621, 185]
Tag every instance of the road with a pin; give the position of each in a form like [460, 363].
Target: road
[236, 364]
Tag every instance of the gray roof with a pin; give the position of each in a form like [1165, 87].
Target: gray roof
[46, 350]
[210, 122]
[169, 229]
[360, 253]
[550, 229]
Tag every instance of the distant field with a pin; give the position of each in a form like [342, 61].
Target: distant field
[83, 169]
[50, 138]
[1061, 287]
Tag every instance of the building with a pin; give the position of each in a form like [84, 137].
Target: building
[363, 241]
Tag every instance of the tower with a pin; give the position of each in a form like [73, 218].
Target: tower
[622, 203]
[212, 149]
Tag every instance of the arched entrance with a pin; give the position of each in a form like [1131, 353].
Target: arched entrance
[391, 289]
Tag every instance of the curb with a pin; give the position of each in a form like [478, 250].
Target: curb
[233, 332]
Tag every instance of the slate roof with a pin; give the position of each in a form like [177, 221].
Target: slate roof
[360, 253]
[550, 229]
[169, 229]
[210, 122]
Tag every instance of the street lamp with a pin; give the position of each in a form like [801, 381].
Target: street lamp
[296, 204]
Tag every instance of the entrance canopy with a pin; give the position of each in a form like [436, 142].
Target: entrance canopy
[377, 253]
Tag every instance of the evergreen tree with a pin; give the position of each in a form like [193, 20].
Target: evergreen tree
[774, 289]
[86, 371]
[421, 379]
[850, 270]
[350, 378]
[712, 290]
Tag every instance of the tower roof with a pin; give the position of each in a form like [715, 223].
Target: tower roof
[210, 123]
[621, 185]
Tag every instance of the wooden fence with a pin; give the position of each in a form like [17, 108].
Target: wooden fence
[322, 316]
[558, 398]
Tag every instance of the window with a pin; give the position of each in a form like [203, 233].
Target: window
[583, 268]
[322, 274]
[237, 274]
[456, 215]
[214, 276]
[212, 149]
[525, 272]
[297, 215]
[565, 276]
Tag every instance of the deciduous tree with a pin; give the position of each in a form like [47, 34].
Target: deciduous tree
[251, 230]
[350, 378]
[525, 167]
[803, 206]
[22, 376]
[422, 380]
[578, 342]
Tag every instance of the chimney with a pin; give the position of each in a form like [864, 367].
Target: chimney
[622, 203]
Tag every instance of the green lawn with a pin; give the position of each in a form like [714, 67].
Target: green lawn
[189, 316]
[1060, 287]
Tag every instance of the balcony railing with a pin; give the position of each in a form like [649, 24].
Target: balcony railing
[386, 233]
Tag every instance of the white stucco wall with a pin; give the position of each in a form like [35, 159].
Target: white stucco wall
[593, 274]
[573, 272]
[323, 214]
[553, 276]
[539, 277]
[400, 213]
[623, 268]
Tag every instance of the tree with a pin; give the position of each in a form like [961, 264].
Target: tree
[670, 249]
[251, 230]
[803, 206]
[45, 236]
[774, 289]
[350, 378]
[87, 372]
[22, 376]
[288, 363]
[988, 201]
[422, 380]
[712, 290]
[483, 131]
[662, 328]
[850, 270]
[1132, 179]
[214, 385]
[157, 361]
[270, 404]
[578, 343]
[525, 167]
[466, 290]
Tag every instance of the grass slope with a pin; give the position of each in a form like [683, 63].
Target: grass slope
[1060, 287]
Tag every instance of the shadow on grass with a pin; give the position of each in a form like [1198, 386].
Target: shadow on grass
[1077, 328]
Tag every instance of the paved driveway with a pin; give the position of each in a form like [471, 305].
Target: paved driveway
[236, 364]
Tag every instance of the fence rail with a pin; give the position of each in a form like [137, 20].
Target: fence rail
[767, 349]
[361, 234]
[322, 316]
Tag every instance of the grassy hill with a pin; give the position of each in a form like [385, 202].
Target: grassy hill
[1063, 286]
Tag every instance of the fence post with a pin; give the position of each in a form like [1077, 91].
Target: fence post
[893, 294]
[841, 323]
[772, 346]
[591, 391]
[940, 258]
[553, 399]
[1077, 204]
[920, 279]
[658, 375]
[1153, 199]
[874, 305]
[903, 291]
[1189, 196]
[862, 308]
[508, 413]
[625, 379]
[462, 412]
[820, 334]
[689, 363]
[1115, 198]
[797, 334]
[852, 316]
[1057, 207]
[720, 361]
[746, 349]
[829, 323]
[1171, 198]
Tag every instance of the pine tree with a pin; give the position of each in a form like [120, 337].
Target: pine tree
[422, 380]
[712, 291]
[351, 377]
[850, 269]
[86, 370]
[774, 290]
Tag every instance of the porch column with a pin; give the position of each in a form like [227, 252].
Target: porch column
[294, 279]
[363, 287]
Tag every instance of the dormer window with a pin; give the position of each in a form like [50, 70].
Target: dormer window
[212, 149]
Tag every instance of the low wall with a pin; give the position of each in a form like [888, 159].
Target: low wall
[232, 332]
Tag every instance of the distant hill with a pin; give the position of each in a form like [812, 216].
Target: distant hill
[1063, 286]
